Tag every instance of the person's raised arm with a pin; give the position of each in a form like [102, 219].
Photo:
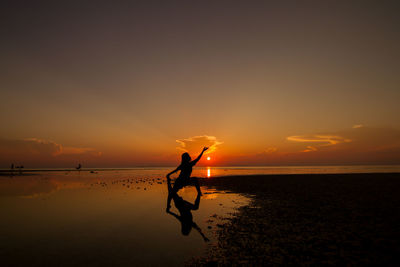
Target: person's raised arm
[199, 157]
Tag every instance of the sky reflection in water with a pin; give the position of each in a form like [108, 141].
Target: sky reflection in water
[107, 218]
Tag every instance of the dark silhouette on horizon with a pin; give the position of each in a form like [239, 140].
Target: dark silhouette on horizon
[185, 208]
[185, 169]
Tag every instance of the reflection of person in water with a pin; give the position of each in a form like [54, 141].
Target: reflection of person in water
[185, 209]
[186, 170]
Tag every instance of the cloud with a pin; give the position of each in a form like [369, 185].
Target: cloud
[358, 146]
[309, 149]
[270, 150]
[30, 146]
[40, 147]
[196, 143]
[80, 150]
[356, 126]
[326, 140]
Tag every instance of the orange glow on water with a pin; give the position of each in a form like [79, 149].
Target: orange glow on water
[208, 172]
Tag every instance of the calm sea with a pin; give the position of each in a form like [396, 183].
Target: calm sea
[106, 218]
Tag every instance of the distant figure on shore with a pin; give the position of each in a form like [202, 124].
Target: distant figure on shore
[186, 170]
[79, 167]
[185, 210]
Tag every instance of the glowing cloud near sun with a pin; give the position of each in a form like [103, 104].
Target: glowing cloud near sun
[196, 143]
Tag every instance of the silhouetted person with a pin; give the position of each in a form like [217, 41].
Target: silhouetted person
[79, 167]
[186, 170]
[185, 210]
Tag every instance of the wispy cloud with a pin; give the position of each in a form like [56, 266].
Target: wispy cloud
[270, 150]
[30, 146]
[356, 126]
[310, 149]
[195, 143]
[35, 146]
[80, 150]
[325, 140]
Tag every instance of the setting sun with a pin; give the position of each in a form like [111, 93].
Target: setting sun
[208, 158]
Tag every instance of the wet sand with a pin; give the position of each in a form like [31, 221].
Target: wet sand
[329, 219]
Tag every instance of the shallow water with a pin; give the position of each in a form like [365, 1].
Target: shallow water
[105, 218]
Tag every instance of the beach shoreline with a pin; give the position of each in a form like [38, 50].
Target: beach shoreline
[310, 219]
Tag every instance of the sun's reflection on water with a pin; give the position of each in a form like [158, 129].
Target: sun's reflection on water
[208, 172]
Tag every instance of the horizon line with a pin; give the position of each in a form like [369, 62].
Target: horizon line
[173, 166]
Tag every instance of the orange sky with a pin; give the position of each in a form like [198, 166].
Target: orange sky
[128, 84]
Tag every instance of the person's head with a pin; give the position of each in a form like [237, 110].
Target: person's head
[185, 157]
